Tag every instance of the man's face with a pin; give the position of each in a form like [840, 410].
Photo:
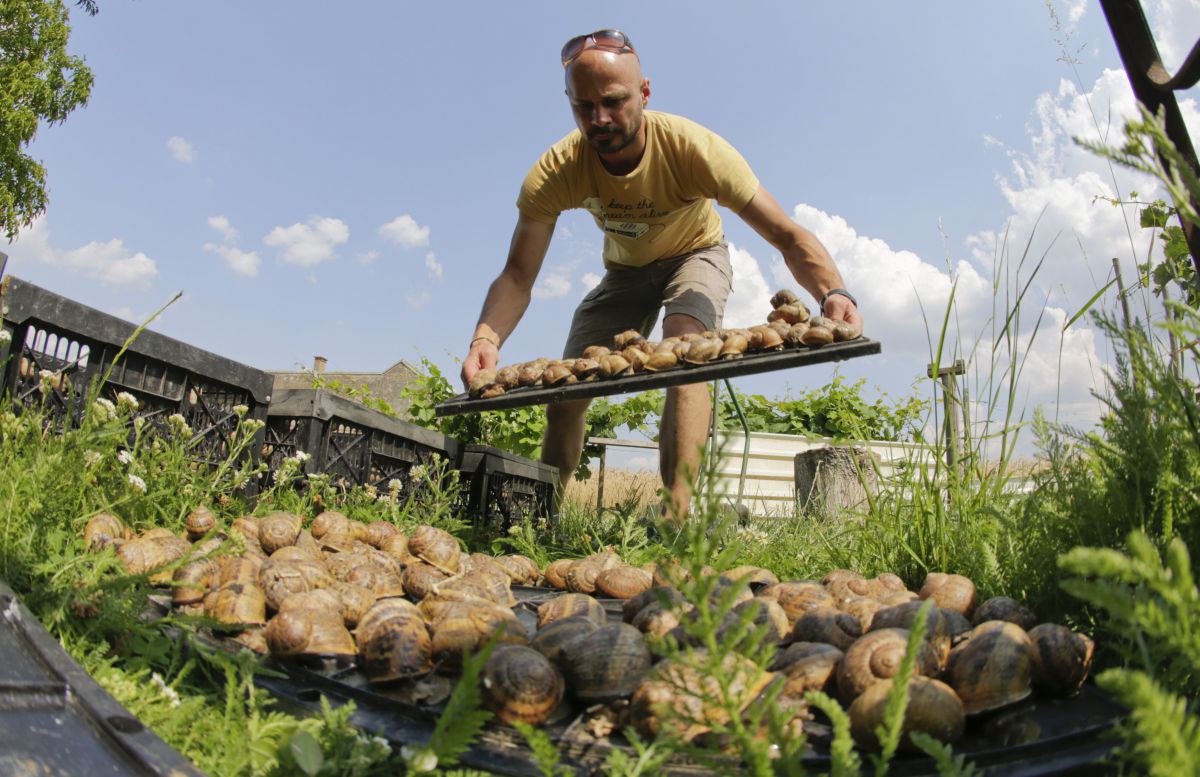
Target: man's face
[607, 95]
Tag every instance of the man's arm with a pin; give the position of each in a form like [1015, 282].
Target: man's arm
[810, 263]
[508, 295]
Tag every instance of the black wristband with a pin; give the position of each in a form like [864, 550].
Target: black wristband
[843, 292]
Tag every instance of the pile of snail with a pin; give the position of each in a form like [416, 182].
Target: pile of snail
[403, 607]
[789, 324]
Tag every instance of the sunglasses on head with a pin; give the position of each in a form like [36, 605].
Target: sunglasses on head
[606, 40]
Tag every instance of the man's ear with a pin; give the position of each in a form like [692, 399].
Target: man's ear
[645, 91]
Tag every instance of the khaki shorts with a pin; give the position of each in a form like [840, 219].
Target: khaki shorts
[695, 284]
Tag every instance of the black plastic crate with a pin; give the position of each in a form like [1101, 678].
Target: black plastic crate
[502, 487]
[354, 445]
[75, 345]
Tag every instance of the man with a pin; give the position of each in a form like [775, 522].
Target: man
[648, 179]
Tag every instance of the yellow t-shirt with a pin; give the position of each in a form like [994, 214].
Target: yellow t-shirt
[663, 208]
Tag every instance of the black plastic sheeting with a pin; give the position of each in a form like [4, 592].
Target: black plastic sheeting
[56, 720]
[750, 364]
[1031, 739]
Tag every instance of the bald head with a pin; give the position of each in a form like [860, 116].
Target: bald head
[608, 94]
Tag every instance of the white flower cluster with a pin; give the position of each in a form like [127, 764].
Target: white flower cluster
[394, 485]
[5, 337]
[301, 457]
[124, 456]
[45, 381]
[137, 483]
[127, 401]
[179, 425]
[240, 411]
[91, 458]
[105, 409]
[419, 759]
[165, 689]
[754, 535]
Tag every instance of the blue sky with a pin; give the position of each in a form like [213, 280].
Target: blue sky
[339, 179]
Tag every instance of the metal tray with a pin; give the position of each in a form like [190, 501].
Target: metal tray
[750, 364]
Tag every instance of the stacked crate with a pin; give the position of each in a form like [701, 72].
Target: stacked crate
[503, 488]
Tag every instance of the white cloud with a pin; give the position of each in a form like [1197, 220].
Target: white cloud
[309, 244]
[1174, 23]
[109, 262]
[553, 283]
[221, 224]
[433, 265]
[404, 231]
[417, 301]
[589, 281]
[366, 257]
[246, 263]
[749, 303]
[181, 149]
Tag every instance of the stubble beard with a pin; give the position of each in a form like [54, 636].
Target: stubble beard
[619, 140]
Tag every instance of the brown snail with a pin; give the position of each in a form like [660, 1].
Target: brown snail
[756, 577]
[808, 666]
[481, 382]
[933, 709]
[658, 594]
[462, 629]
[326, 521]
[103, 530]
[623, 582]
[282, 579]
[551, 639]
[937, 625]
[733, 346]
[393, 641]
[153, 554]
[379, 531]
[877, 656]
[520, 684]
[784, 297]
[798, 597]
[571, 605]
[607, 664]
[237, 603]
[1061, 659]
[419, 579]
[193, 581]
[816, 336]
[555, 573]
[521, 569]
[355, 601]
[1004, 608]
[199, 522]
[278, 530]
[435, 547]
[558, 375]
[993, 668]
[825, 624]
[309, 623]
[954, 592]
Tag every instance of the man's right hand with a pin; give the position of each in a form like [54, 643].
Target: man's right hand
[484, 355]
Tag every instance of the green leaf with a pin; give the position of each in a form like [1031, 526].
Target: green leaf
[306, 752]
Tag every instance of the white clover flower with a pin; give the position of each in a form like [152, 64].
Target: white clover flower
[137, 483]
[124, 456]
[301, 457]
[394, 485]
[418, 473]
[240, 411]
[5, 337]
[91, 458]
[370, 490]
[384, 498]
[127, 401]
[105, 409]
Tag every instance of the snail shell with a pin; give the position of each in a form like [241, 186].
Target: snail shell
[682, 694]
[558, 375]
[521, 569]
[238, 569]
[550, 640]
[816, 336]
[281, 579]
[657, 620]
[954, 592]
[103, 530]
[894, 598]
[585, 369]
[278, 530]
[435, 547]
[480, 382]
[290, 553]
[571, 605]
[794, 336]
[493, 586]
[530, 374]
[756, 577]
[520, 684]
[784, 297]
[792, 313]
[843, 331]
[419, 579]
[581, 576]
[1004, 608]
[149, 553]
[253, 638]
[596, 352]
[607, 664]
[797, 597]
[326, 521]
[508, 377]
[993, 668]
[901, 616]
[379, 531]
[463, 629]
[703, 350]
[826, 624]
[808, 666]
[933, 708]
[614, 365]
[764, 338]
[733, 346]
[764, 612]
[862, 608]
[199, 522]
[877, 656]
[379, 580]
[1061, 659]
[659, 594]
[194, 580]
[636, 357]
[555, 573]
[396, 546]
[623, 582]
[661, 360]
[237, 603]
[629, 337]
[355, 601]
[393, 641]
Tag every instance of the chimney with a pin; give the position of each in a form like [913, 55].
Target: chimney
[319, 363]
